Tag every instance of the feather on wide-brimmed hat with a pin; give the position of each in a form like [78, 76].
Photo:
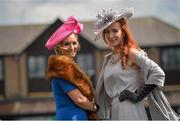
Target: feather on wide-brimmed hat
[106, 18]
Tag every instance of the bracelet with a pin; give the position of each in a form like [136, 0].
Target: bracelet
[95, 107]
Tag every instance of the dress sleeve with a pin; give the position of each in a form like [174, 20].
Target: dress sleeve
[151, 72]
[66, 86]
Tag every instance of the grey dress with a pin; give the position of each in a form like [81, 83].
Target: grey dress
[112, 80]
[116, 79]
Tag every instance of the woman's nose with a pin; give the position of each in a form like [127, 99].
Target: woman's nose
[111, 35]
[72, 46]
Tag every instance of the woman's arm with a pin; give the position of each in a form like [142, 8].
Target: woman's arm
[152, 72]
[81, 100]
[75, 94]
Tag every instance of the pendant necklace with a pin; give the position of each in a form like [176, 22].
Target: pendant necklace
[115, 57]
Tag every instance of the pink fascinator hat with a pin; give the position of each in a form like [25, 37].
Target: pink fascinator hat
[71, 25]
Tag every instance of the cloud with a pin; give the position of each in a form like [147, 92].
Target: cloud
[45, 11]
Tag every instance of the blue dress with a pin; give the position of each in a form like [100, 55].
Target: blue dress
[66, 109]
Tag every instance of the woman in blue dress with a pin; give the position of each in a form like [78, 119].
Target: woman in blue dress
[72, 88]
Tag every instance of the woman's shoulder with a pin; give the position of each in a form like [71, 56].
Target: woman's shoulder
[59, 66]
[60, 58]
[135, 54]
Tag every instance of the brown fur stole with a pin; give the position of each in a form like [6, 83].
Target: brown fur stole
[64, 67]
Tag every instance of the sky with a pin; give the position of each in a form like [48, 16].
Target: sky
[14, 12]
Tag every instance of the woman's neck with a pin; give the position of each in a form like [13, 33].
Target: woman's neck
[116, 49]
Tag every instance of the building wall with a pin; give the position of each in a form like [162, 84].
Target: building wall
[11, 77]
[154, 54]
[23, 81]
[15, 76]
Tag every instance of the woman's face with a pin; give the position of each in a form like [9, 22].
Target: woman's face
[113, 34]
[70, 45]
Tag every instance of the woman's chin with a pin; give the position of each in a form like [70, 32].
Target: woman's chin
[73, 55]
[114, 45]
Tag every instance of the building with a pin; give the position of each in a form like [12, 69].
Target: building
[24, 93]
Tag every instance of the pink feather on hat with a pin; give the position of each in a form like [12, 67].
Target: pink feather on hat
[71, 25]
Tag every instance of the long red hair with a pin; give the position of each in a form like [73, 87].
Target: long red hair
[128, 42]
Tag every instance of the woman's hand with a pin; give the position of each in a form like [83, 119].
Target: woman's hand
[137, 96]
[128, 95]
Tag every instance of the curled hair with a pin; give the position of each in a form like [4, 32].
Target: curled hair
[128, 42]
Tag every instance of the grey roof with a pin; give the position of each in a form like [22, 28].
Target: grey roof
[154, 32]
[14, 39]
[147, 32]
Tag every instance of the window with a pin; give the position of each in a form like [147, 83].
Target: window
[170, 58]
[86, 63]
[1, 77]
[1, 69]
[36, 66]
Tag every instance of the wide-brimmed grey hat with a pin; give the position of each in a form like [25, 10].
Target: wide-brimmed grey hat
[106, 18]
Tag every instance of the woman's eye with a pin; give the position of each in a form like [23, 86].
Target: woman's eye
[74, 43]
[106, 32]
[66, 44]
[115, 30]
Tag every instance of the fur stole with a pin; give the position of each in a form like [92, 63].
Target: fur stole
[64, 67]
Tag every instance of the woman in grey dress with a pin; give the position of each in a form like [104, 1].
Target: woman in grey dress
[127, 74]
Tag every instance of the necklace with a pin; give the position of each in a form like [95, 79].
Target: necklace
[115, 58]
